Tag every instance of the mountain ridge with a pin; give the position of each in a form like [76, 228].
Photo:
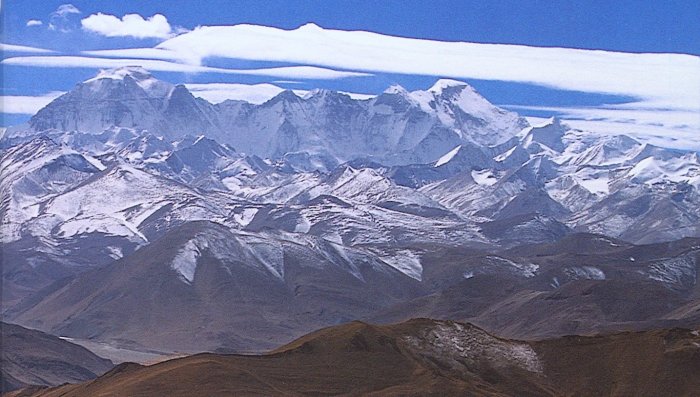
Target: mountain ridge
[423, 357]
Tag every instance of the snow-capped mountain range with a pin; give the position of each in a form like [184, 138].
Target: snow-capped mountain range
[363, 186]
[396, 127]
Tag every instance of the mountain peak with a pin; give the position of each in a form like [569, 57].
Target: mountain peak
[443, 84]
[396, 89]
[283, 96]
[319, 93]
[548, 133]
[138, 73]
[106, 79]
[552, 121]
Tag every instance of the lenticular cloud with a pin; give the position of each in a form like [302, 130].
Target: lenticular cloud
[667, 80]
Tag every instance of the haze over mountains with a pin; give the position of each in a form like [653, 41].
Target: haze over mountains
[137, 215]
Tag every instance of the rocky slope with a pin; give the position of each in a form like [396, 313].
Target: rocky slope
[583, 284]
[203, 287]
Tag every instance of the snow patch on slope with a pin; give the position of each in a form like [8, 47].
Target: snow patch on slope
[407, 262]
[448, 156]
[452, 344]
[245, 216]
[585, 272]
[303, 225]
[97, 224]
[674, 271]
[596, 184]
[185, 262]
[526, 269]
[484, 177]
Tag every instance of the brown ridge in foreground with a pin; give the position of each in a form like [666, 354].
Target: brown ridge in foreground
[422, 357]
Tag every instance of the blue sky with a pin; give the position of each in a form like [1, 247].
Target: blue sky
[631, 26]
[615, 27]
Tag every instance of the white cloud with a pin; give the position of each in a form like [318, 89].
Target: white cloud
[34, 22]
[625, 114]
[65, 18]
[253, 93]
[656, 135]
[672, 79]
[666, 86]
[16, 104]
[66, 9]
[22, 48]
[219, 92]
[294, 72]
[669, 128]
[130, 25]
[140, 53]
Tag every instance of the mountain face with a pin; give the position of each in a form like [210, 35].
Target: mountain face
[204, 287]
[126, 97]
[31, 357]
[133, 210]
[583, 284]
[423, 357]
[241, 291]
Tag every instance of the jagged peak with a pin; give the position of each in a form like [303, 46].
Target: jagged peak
[180, 91]
[552, 121]
[345, 174]
[548, 133]
[283, 96]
